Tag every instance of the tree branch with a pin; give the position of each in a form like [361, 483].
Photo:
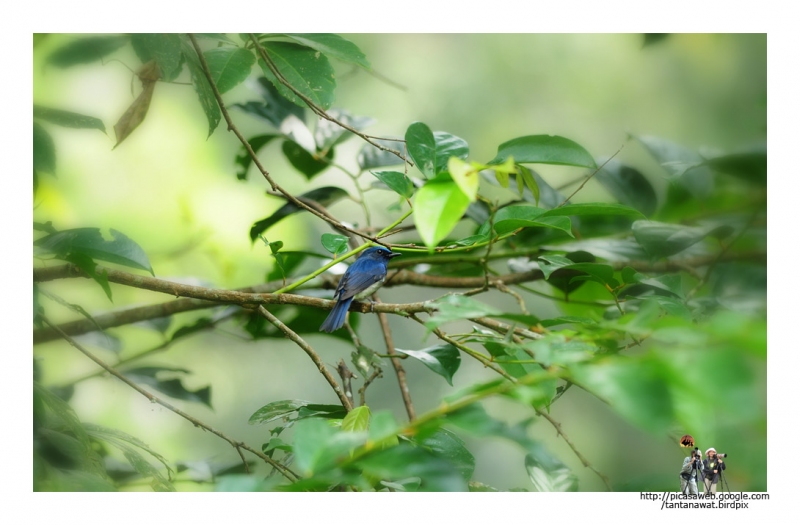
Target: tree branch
[285, 471]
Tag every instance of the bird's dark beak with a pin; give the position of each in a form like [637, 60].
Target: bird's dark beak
[394, 254]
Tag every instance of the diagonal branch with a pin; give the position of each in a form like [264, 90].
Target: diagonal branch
[346, 403]
[275, 187]
[398, 366]
[285, 471]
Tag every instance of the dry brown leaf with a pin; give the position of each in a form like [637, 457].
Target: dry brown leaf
[137, 111]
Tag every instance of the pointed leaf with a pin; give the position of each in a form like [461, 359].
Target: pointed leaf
[203, 89]
[276, 410]
[90, 242]
[305, 69]
[334, 243]
[662, 239]
[628, 186]
[357, 420]
[306, 163]
[164, 48]
[398, 182]
[371, 157]
[544, 149]
[326, 196]
[448, 446]
[229, 66]
[438, 207]
[67, 118]
[442, 359]
[86, 50]
[548, 473]
[332, 45]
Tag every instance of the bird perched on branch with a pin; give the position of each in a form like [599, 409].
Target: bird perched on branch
[361, 280]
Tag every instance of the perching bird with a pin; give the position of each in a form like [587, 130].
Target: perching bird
[361, 280]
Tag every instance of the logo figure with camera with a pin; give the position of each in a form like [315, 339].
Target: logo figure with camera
[691, 471]
[713, 467]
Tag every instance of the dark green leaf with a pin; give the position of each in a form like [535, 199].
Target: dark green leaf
[203, 89]
[86, 50]
[301, 321]
[119, 439]
[430, 151]
[442, 359]
[334, 243]
[548, 473]
[398, 182]
[446, 445]
[438, 206]
[306, 70]
[229, 66]
[371, 157]
[601, 273]
[326, 196]
[201, 324]
[244, 160]
[275, 410]
[593, 208]
[306, 163]
[172, 387]
[317, 445]
[90, 242]
[87, 264]
[164, 48]
[219, 37]
[510, 218]
[653, 38]
[749, 165]
[628, 186]
[662, 239]
[67, 118]
[544, 149]
[44, 151]
[508, 355]
[404, 461]
[332, 45]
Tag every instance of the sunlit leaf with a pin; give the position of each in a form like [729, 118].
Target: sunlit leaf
[544, 149]
[305, 69]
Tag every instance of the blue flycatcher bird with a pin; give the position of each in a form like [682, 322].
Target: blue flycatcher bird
[361, 280]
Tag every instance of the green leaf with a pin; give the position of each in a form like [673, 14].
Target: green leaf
[334, 243]
[201, 324]
[448, 446]
[87, 264]
[431, 151]
[637, 389]
[457, 308]
[174, 388]
[683, 164]
[747, 165]
[90, 242]
[530, 182]
[244, 160]
[306, 70]
[510, 218]
[438, 207]
[357, 420]
[332, 45]
[398, 182]
[317, 445]
[306, 163]
[600, 273]
[326, 196]
[593, 208]
[119, 439]
[275, 410]
[628, 186]
[661, 239]
[371, 157]
[44, 151]
[404, 461]
[164, 48]
[442, 359]
[229, 66]
[203, 89]
[465, 175]
[548, 473]
[67, 118]
[86, 50]
[544, 149]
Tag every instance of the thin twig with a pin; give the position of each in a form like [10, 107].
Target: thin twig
[346, 403]
[285, 471]
[316, 109]
[590, 176]
[398, 366]
[232, 127]
[363, 390]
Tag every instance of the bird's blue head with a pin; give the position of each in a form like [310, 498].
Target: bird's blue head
[378, 253]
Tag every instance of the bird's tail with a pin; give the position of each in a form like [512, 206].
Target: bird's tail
[335, 319]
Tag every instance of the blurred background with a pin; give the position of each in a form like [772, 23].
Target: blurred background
[174, 191]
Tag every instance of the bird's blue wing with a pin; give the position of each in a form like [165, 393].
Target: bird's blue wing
[361, 275]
